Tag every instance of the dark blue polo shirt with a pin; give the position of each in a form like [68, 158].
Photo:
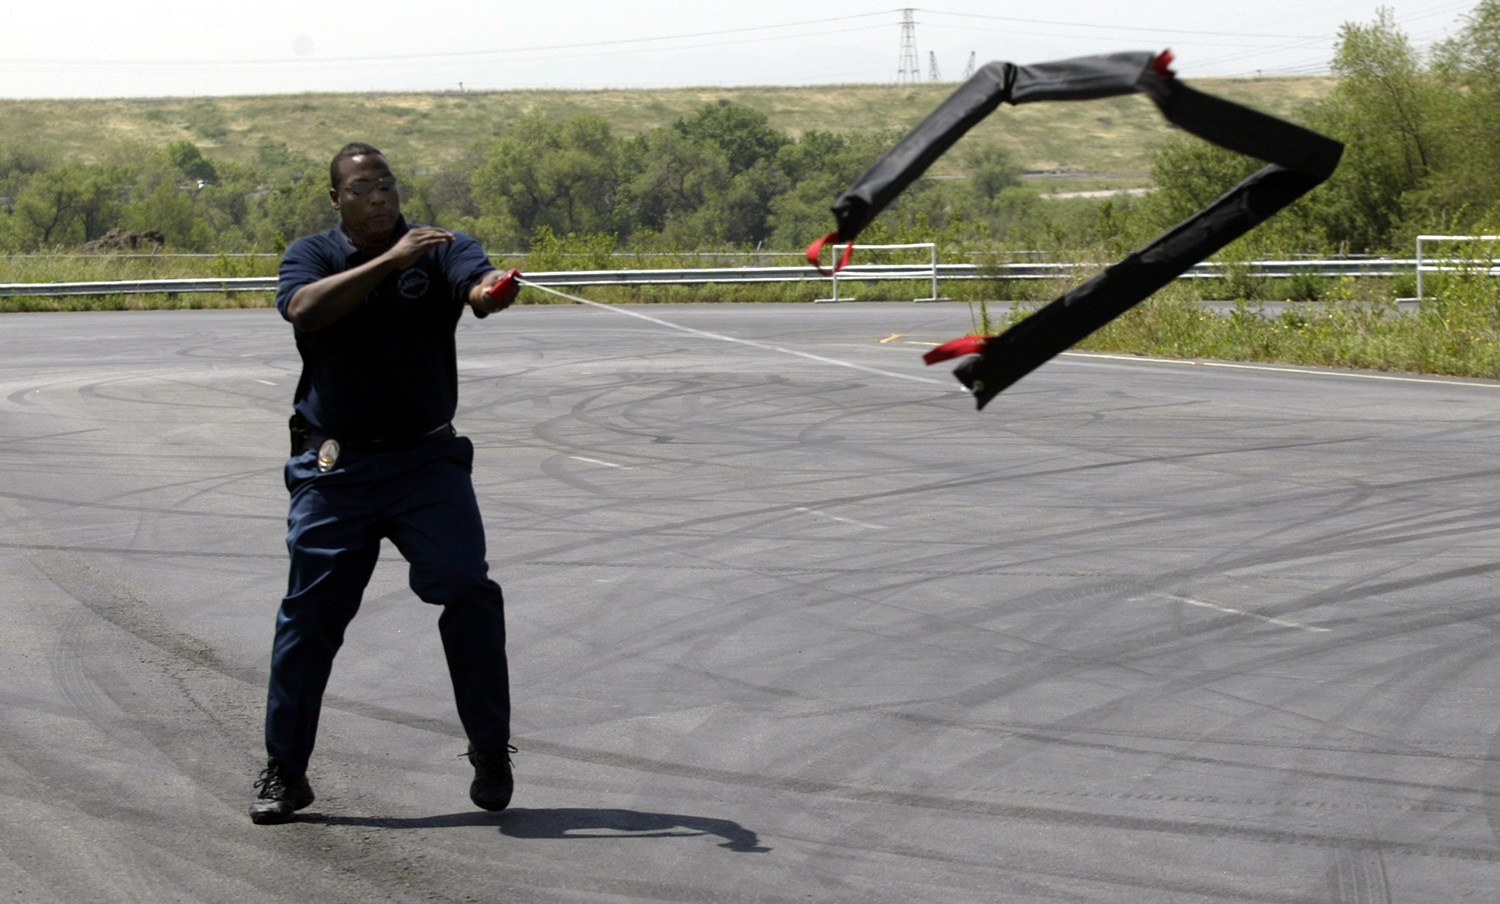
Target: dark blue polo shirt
[388, 370]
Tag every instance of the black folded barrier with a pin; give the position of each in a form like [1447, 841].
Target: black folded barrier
[1298, 160]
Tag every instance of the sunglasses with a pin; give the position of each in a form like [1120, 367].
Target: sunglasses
[365, 186]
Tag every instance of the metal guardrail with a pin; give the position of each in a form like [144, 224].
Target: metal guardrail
[140, 287]
[705, 275]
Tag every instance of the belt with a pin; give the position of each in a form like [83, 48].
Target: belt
[312, 441]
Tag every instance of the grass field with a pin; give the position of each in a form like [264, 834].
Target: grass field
[1113, 138]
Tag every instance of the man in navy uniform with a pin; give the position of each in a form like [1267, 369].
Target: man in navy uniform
[374, 303]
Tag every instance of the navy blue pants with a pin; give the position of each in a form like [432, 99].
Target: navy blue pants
[422, 499]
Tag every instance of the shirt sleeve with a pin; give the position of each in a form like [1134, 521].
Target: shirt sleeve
[306, 261]
[464, 263]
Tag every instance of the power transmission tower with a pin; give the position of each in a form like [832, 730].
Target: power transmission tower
[932, 68]
[969, 69]
[910, 71]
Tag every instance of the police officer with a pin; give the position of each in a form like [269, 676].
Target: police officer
[374, 303]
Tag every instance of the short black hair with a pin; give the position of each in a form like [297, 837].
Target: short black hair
[353, 149]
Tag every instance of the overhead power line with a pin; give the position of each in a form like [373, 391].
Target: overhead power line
[1102, 27]
[510, 49]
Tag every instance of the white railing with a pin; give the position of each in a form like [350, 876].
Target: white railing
[1448, 265]
[887, 271]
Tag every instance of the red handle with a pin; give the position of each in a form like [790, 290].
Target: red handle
[815, 252]
[506, 286]
[967, 345]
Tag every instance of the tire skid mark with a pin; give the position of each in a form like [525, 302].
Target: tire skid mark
[1304, 550]
[137, 553]
[802, 570]
[1148, 648]
[865, 793]
[1358, 877]
[1039, 881]
[116, 605]
[91, 505]
[1419, 582]
[1028, 813]
[181, 646]
[339, 867]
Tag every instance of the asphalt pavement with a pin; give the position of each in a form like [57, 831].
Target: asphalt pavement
[789, 621]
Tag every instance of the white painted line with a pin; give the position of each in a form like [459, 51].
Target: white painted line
[842, 520]
[595, 461]
[1274, 368]
[1287, 369]
[267, 382]
[1280, 622]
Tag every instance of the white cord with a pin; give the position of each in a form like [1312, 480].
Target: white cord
[749, 342]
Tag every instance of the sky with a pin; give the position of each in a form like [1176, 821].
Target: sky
[174, 48]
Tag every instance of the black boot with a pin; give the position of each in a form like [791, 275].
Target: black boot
[281, 794]
[493, 782]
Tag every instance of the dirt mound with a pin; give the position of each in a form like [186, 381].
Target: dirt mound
[124, 240]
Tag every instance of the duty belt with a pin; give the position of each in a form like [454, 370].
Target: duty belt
[329, 448]
[316, 440]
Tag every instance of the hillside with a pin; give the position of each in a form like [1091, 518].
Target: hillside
[1112, 139]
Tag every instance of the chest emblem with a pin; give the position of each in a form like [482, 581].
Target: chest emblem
[412, 284]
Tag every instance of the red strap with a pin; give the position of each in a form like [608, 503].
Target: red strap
[1162, 65]
[968, 345]
[815, 252]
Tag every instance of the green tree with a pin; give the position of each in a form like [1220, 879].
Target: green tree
[991, 169]
[166, 208]
[190, 162]
[1394, 117]
[1389, 111]
[675, 188]
[18, 163]
[1473, 55]
[1188, 174]
[292, 210]
[445, 197]
[64, 205]
[228, 208]
[155, 194]
[819, 167]
[744, 134]
[1466, 186]
[562, 175]
[746, 209]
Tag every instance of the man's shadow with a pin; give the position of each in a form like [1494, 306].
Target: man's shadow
[569, 823]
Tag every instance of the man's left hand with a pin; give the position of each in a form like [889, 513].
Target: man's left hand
[483, 302]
